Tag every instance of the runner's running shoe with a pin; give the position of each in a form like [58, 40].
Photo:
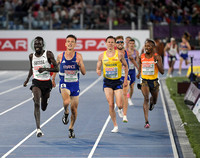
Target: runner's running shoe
[39, 133]
[120, 113]
[151, 107]
[147, 125]
[65, 119]
[115, 129]
[130, 102]
[71, 133]
[125, 120]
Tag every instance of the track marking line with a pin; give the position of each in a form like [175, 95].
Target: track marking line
[3, 72]
[22, 141]
[168, 125]
[12, 89]
[16, 106]
[12, 78]
[99, 138]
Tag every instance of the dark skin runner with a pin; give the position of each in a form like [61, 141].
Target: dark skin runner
[149, 48]
[37, 94]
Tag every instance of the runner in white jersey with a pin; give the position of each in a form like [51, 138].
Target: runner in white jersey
[40, 68]
[171, 49]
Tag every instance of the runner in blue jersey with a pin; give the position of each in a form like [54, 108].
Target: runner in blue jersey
[71, 63]
[133, 53]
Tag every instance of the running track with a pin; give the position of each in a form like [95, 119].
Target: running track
[92, 128]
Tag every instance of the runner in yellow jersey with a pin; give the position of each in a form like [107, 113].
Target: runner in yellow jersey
[150, 63]
[112, 68]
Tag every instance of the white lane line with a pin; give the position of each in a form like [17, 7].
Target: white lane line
[22, 141]
[168, 125]
[12, 89]
[3, 72]
[16, 106]
[99, 138]
[12, 78]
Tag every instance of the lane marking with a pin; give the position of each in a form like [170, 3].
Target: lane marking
[168, 125]
[99, 138]
[12, 78]
[12, 89]
[22, 141]
[3, 72]
[16, 106]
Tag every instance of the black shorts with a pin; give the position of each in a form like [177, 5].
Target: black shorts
[44, 86]
[114, 84]
[152, 84]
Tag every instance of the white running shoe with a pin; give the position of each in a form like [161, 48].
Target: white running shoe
[115, 129]
[39, 133]
[115, 105]
[120, 113]
[125, 120]
[130, 103]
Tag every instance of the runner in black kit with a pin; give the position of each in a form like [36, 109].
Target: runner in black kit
[40, 68]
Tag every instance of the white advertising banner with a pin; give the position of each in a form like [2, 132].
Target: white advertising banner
[17, 45]
[196, 109]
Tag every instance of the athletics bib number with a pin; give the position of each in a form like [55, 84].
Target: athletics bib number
[148, 69]
[111, 72]
[71, 76]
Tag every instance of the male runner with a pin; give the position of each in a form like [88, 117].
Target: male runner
[112, 70]
[150, 63]
[40, 68]
[71, 62]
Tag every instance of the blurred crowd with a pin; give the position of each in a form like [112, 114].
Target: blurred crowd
[66, 14]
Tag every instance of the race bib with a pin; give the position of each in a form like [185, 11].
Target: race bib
[111, 72]
[148, 69]
[71, 76]
[131, 65]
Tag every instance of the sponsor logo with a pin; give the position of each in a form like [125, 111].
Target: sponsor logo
[84, 44]
[69, 66]
[13, 44]
[39, 62]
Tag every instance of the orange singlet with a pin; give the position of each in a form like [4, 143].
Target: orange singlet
[149, 68]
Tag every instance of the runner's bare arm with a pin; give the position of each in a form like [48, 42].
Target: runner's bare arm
[133, 61]
[30, 70]
[99, 64]
[139, 70]
[54, 74]
[158, 60]
[123, 60]
[166, 49]
[80, 63]
[51, 60]
[137, 57]
[188, 45]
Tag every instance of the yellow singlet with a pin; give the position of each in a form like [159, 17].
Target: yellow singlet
[112, 67]
[149, 68]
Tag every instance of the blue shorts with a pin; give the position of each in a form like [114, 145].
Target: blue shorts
[122, 79]
[184, 56]
[114, 84]
[132, 76]
[72, 87]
